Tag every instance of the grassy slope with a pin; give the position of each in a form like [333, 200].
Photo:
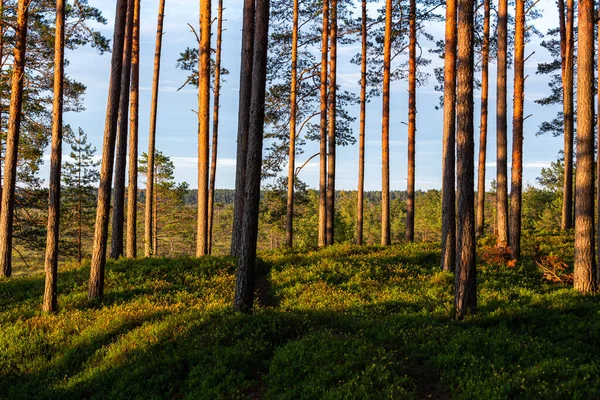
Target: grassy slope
[345, 322]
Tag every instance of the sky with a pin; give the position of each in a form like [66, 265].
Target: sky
[177, 122]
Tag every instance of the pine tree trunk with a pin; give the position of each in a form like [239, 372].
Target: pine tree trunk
[118, 223]
[12, 139]
[449, 143]
[385, 129]
[323, 129]
[96, 284]
[289, 227]
[243, 122]
[148, 229]
[585, 260]
[412, 121]
[203, 127]
[244, 290]
[51, 261]
[465, 286]
[363, 116]
[517, 150]
[79, 228]
[569, 124]
[331, 131]
[132, 190]
[215, 136]
[155, 222]
[484, 119]
[501, 128]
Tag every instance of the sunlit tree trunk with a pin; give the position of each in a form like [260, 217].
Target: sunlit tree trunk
[517, 149]
[203, 127]
[244, 289]
[148, 229]
[155, 220]
[96, 284]
[215, 136]
[363, 113]
[12, 139]
[322, 237]
[465, 286]
[385, 129]
[118, 223]
[501, 128]
[289, 227]
[485, 57]
[568, 106]
[132, 190]
[449, 143]
[331, 142]
[585, 260]
[51, 261]
[412, 121]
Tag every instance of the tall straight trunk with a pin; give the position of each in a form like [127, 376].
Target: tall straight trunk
[289, 226]
[244, 288]
[96, 284]
[215, 136]
[449, 143]
[465, 284]
[568, 120]
[203, 127]
[148, 240]
[363, 116]
[385, 128]
[585, 275]
[51, 261]
[517, 149]
[412, 121]
[484, 119]
[331, 131]
[118, 223]
[132, 189]
[501, 128]
[12, 139]
[243, 122]
[155, 223]
[323, 129]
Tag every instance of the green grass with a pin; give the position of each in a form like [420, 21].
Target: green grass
[345, 322]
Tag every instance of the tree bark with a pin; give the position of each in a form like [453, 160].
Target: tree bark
[289, 227]
[363, 116]
[517, 150]
[449, 143]
[132, 190]
[155, 220]
[118, 223]
[412, 121]
[148, 229]
[243, 122]
[244, 289]
[331, 131]
[51, 261]
[501, 128]
[203, 127]
[96, 284]
[322, 236]
[12, 139]
[215, 136]
[568, 121]
[585, 278]
[484, 119]
[385, 129]
[465, 286]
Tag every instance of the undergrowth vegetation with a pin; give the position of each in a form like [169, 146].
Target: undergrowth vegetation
[344, 322]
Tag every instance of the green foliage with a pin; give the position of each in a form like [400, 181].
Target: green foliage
[344, 322]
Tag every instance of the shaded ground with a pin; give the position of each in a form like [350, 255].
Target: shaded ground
[345, 322]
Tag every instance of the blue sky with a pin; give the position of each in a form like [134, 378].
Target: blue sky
[177, 123]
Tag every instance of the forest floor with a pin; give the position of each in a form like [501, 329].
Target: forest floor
[344, 322]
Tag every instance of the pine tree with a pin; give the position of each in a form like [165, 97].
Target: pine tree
[80, 176]
[501, 128]
[385, 130]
